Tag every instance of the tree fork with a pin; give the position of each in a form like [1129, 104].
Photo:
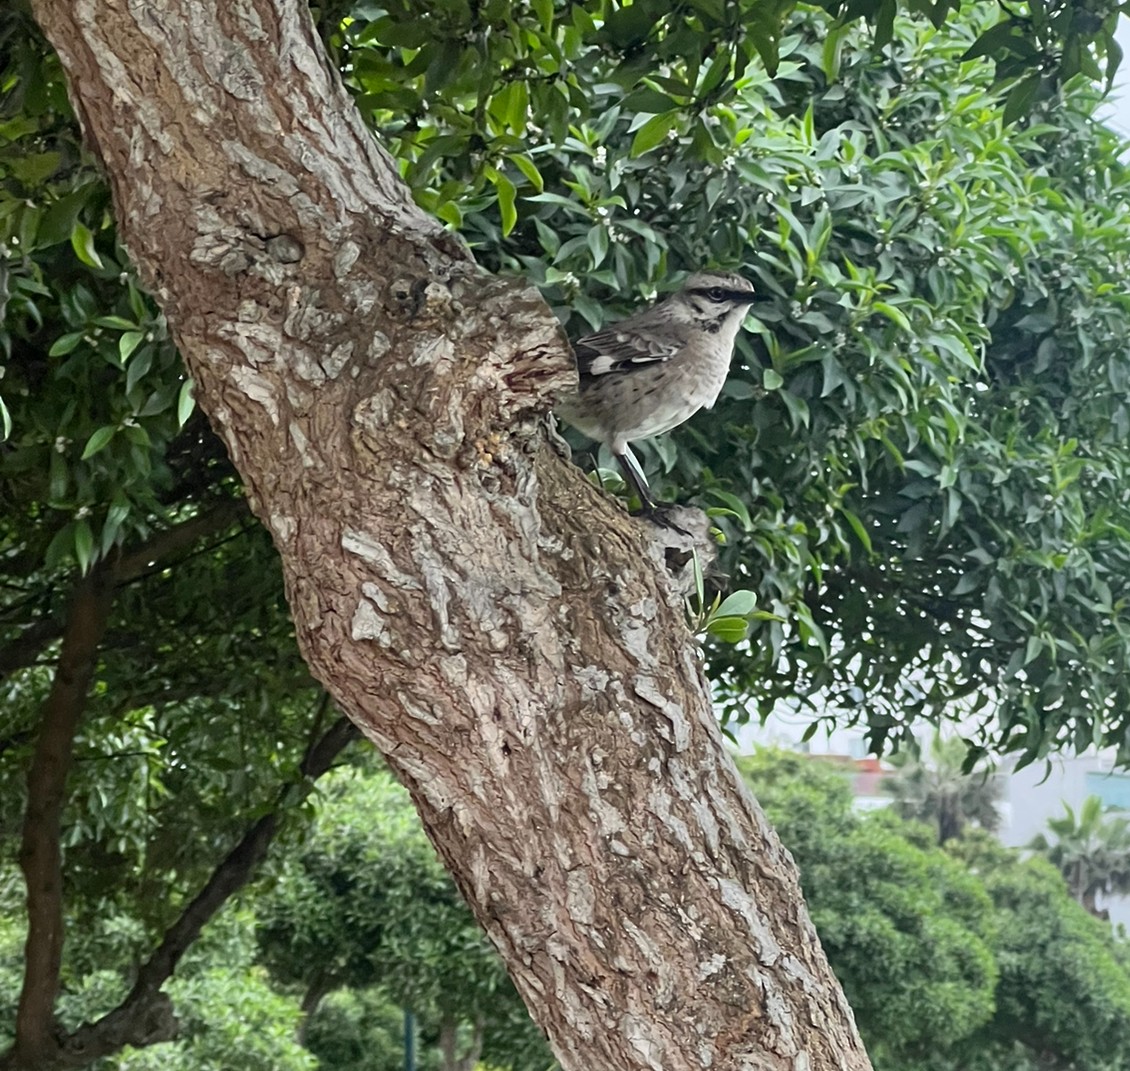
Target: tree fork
[497, 627]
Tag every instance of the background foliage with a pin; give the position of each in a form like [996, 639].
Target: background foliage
[966, 957]
[920, 457]
[923, 442]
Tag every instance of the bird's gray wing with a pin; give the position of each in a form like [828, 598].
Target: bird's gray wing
[613, 350]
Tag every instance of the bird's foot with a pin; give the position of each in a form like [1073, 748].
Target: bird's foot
[681, 542]
[667, 515]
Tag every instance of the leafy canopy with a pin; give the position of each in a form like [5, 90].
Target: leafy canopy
[922, 448]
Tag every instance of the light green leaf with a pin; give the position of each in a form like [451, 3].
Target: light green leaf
[544, 11]
[98, 440]
[186, 402]
[83, 243]
[128, 342]
[653, 132]
[506, 198]
[527, 167]
[64, 344]
[728, 629]
[84, 545]
[450, 212]
[896, 316]
[738, 604]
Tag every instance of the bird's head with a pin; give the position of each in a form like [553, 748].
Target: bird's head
[717, 296]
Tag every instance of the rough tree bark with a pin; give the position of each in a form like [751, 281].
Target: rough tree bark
[504, 634]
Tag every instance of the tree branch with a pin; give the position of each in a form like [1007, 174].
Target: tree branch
[136, 561]
[144, 1017]
[29, 644]
[323, 982]
[40, 851]
[131, 564]
[83, 630]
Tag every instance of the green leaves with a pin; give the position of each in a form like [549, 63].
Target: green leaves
[888, 462]
[654, 132]
[186, 402]
[82, 241]
[507, 194]
[98, 441]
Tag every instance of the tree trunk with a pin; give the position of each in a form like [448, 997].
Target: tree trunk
[504, 634]
[322, 985]
[41, 854]
[452, 1058]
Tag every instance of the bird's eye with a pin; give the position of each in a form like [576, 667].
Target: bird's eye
[717, 294]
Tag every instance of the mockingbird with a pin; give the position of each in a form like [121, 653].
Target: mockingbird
[647, 374]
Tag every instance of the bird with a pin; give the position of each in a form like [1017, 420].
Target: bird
[651, 372]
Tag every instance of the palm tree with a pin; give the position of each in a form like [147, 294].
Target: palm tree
[936, 787]
[1092, 851]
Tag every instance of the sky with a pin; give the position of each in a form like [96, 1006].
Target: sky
[1118, 110]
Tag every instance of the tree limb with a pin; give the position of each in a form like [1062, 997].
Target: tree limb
[145, 1015]
[134, 562]
[130, 565]
[40, 854]
[26, 648]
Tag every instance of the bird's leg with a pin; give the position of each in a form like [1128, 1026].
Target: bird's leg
[662, 515]
[630, 467]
